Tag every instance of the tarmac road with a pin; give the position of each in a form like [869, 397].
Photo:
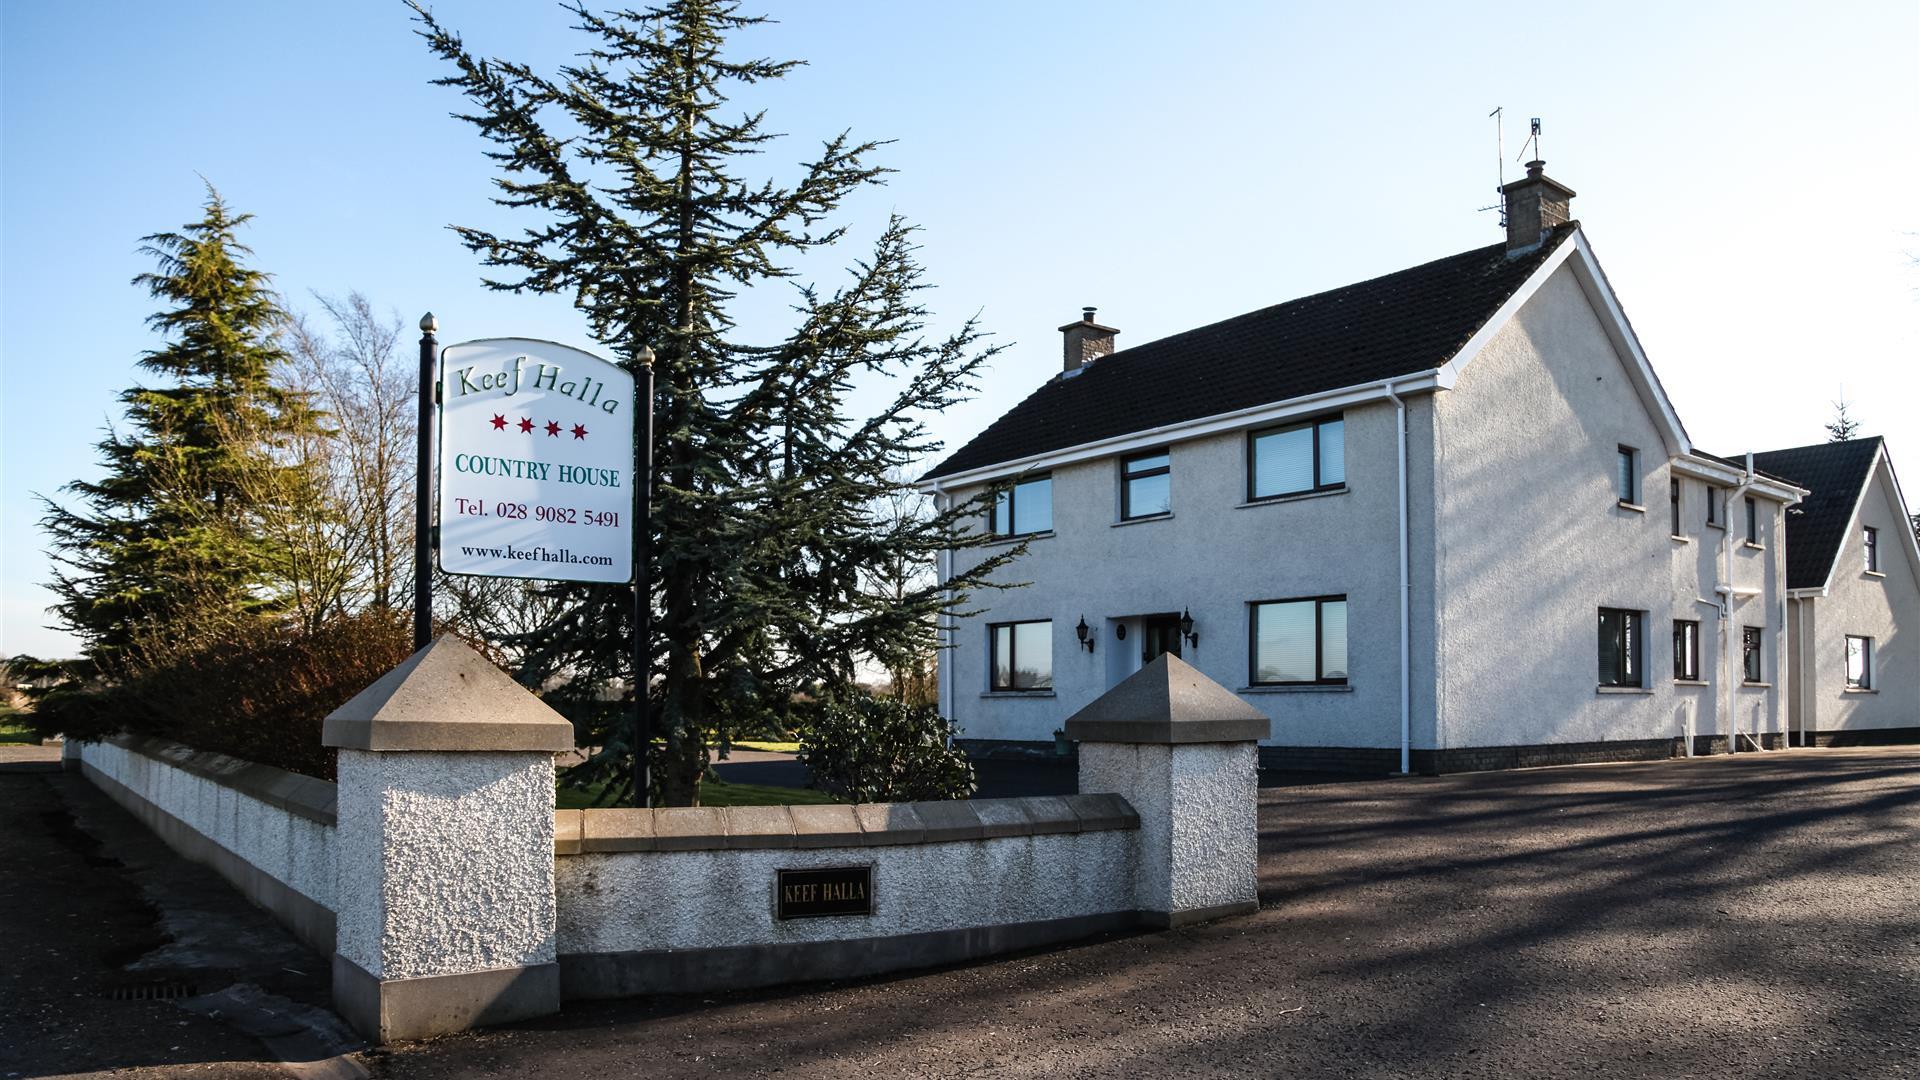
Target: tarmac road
[1754, 916]
[98, 918]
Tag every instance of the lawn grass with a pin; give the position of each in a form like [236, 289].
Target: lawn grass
[712, 793]
[767, 747]
[12, 733]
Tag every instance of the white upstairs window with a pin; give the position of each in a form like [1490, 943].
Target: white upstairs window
[1297, 459]
[1025, 508]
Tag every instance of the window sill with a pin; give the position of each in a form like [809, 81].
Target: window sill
[1622, 690]
[1017, 694]
[1302, 688]
[1744, 685]
[1859, 690]
[1751, 545]
[1716, 525]
[1874, 573]
[1678, 539]
[1142, 520]
[1022, 538]
[1295, 497]
[1691, 682]
[1635, 507]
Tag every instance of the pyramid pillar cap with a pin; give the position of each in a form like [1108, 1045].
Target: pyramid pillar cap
[1168, 702]
[447, 697]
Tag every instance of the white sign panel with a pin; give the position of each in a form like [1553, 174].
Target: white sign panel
[536, 462]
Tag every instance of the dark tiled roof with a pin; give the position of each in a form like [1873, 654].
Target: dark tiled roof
[1835, 473]
[1403, 323]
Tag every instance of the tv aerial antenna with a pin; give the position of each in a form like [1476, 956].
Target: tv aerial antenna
[1533, 140]
[1499, 159]
[1500, 152]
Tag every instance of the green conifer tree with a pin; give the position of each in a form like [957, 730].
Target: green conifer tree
[167, 534]
[628, 167]
[1842, 427]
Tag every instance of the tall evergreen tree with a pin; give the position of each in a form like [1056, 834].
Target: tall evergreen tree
[167, 532]
[628, 164]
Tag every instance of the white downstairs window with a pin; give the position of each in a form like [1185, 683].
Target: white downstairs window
[1299, 641]
[1859, 663]
[1022, 656]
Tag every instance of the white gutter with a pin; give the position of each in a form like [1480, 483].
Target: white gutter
[1798, 659]
[1783, 678]
[1714, 472]
[1723, 697]
[1237, 420]
[1406, 705]
[1693, 720]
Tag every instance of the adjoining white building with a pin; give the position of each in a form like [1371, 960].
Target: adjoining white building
[1445, 519]
[1853, 597]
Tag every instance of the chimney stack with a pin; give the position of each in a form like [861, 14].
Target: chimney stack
[1535, 204]
[1086, 341]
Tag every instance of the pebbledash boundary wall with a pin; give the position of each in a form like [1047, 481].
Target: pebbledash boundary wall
[451, 894]
[270, 833]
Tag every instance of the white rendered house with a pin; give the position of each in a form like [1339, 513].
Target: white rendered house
[1853, 597]
[1444, 519]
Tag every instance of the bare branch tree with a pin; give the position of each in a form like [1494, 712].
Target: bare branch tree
[355, 373]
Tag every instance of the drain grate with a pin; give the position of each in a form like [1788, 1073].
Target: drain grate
[156, 991]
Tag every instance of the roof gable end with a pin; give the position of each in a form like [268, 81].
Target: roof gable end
[1838, 475]
[1578, 256]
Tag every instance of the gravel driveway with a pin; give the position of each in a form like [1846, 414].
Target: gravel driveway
[1754, 916]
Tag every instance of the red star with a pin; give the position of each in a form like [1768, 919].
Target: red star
[579, 431]
[499, 422]
[526, 425]
[552, 428]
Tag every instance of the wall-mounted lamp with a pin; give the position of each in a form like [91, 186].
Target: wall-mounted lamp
[1084, 633]
[1186, 629]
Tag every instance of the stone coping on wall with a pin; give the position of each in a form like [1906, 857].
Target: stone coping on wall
[303, 796]
[713, 828]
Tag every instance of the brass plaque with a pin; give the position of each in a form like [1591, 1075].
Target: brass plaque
[836, 890]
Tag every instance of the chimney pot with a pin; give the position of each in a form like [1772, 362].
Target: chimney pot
[1535, 203]
[1085, 341]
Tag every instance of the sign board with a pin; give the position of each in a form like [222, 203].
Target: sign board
[836, 890]
[536, 462]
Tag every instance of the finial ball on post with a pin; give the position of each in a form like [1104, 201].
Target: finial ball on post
[428, 324]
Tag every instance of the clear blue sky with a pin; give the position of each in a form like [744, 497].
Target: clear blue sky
[1748, 173]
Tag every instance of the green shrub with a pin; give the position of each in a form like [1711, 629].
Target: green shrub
[256, 689]
[867, 749]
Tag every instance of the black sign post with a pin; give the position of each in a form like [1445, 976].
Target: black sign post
[423, 492]
[642, 575]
